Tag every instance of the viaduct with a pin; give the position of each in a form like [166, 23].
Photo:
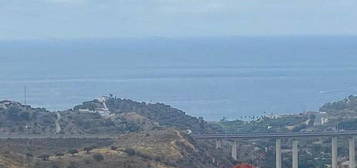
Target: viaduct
[294, 136]
[350, 135]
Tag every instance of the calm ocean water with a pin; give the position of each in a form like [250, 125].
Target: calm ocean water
[209, 77]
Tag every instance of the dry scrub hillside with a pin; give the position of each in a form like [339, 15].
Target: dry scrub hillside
[166, 148]
[150, 135]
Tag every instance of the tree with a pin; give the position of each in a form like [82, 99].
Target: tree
[223, 119]
[44, 157]
[72, 165]
[59, 154]
[88, 149]
[98, 157]
[73, 151]
[113, 148]
[55, 166]
[25, 116]
[13, 113]
[29, 155]
[130, 151]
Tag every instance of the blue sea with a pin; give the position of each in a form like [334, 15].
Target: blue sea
[213, 77]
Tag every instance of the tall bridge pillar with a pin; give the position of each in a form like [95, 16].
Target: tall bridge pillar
[278, 153]
[234, 150]
[295, 154]
[218, 143]
[334, 152]
[351, 147]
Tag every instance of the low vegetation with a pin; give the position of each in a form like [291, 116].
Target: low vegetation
[155, 136]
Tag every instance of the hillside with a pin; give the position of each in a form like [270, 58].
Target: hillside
[155, 135]
[347, 105]
[165, 148]
[16, 118]
[151, 135]
[142, 115]
[315, 152]
[106, 115]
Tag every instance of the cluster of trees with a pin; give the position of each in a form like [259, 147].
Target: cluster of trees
[163, 114]
[17, 114]
[39, 121]
[97, 156]
[266, 124]
[350, 103]
[348, 125]
[24, 119]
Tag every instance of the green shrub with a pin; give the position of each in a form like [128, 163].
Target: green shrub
[88, 149]
[73, 151]
[98, 157]
[72, 165]
[113, 148]
[130, 151]
[44, 157]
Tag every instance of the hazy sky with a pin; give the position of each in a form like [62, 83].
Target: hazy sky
[72, 19]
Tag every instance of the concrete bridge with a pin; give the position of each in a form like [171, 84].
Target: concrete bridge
[349, 135]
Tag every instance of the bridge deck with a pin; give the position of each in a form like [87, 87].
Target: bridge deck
[197, 136]
[58, 137]
[275, 135]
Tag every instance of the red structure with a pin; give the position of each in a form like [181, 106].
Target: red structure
[243, 165]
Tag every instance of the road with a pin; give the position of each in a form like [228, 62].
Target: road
[57, 122]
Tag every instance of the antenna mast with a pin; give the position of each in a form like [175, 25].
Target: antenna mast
[25, 95]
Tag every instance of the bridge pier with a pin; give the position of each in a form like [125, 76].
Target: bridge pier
[334, 152]
[295, 154]
[352, 154]
[278, 153]
[234, 150]
[218, 143]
